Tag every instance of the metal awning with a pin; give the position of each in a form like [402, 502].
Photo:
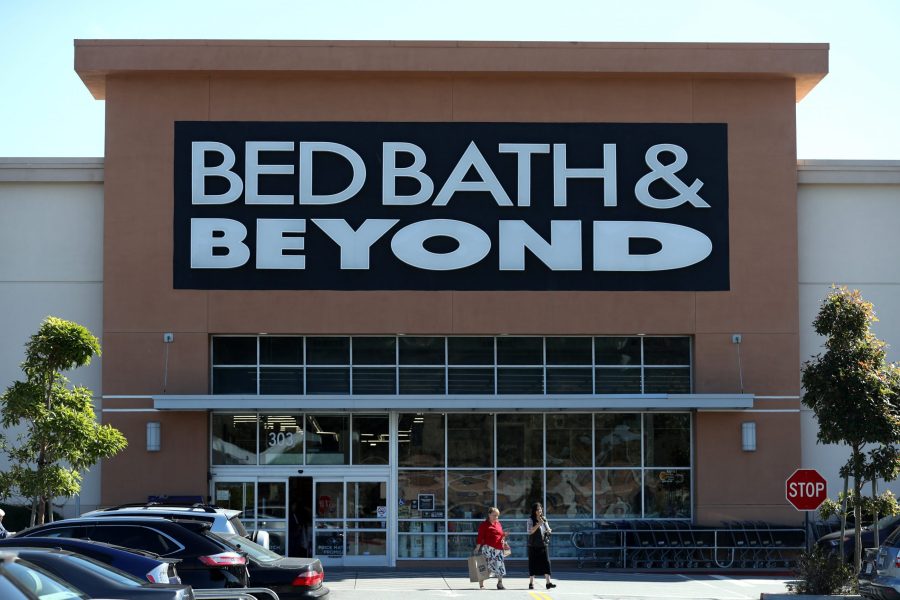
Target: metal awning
[451, 403]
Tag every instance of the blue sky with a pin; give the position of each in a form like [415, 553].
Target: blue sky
[851, 114]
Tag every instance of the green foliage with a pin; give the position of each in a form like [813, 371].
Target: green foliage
[822, 574]
[854, 392]
[62, 437]
[886, 503]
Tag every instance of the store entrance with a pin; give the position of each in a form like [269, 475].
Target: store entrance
[350, 521]
[300, 516]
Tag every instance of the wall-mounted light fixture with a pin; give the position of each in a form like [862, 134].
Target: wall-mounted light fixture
[153, 437]
[748, 436]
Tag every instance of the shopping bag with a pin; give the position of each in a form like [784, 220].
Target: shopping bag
[478, 570]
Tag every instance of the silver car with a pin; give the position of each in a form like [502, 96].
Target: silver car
[879, 576]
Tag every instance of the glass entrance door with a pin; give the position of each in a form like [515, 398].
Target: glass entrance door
[350, 525]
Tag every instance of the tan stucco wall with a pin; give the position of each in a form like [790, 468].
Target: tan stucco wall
[140, 303]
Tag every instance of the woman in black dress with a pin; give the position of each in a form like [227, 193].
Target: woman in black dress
[538, 537]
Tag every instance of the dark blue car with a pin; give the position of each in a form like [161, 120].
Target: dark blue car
[144, 565]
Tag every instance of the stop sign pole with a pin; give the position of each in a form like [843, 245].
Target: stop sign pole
[806, 490]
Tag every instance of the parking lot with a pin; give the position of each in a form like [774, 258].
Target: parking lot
[381, 585]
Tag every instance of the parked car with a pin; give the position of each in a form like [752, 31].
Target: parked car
[145, 565]
[20, 580]
[290, 578]
[831, 543]
[880, 573]
[99, 580]
[223, 520]
[206, 561]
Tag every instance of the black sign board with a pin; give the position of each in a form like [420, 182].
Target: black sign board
[450, 206]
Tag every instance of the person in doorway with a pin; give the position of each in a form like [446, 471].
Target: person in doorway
[491, 541]
[301, 531]
[538, 536]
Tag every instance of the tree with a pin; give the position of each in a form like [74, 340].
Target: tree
[854, 393]
[62, 437]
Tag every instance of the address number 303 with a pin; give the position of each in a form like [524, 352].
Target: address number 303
[281, 439]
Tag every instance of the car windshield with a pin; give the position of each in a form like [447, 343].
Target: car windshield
[888, 521]
[253, 550]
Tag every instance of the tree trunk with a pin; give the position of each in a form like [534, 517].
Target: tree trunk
[844, 515]
[876, 543]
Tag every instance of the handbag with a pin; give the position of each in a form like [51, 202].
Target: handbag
[478, 570]
[506, 549]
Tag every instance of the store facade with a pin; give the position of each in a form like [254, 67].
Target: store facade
[371, 289]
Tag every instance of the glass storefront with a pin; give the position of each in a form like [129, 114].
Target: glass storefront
[450, 467]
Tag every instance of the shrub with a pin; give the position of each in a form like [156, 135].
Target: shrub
[822, 574]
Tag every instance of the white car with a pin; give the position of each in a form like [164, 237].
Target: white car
[223, 520]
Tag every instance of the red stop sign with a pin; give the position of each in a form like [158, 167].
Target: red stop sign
[806, 489]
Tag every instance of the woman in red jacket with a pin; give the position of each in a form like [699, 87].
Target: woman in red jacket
[492, 541]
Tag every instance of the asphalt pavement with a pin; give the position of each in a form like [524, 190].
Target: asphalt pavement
[387, 584]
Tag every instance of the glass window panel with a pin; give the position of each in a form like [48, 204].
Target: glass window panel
[520, 440]
[421, 440]
[667, 494]
[667, 350]
[667, 439]
[366, 543]
[569, 493]
[234, 350]
[281, 439]
[280, 350]
[374, 380]
[374, 351]
[464, 526]
[422, 380]
[569, 440]
[326, 440]
[421, 350]
[237, 495]
[520, 350]
[619, 493]
[233, 439]
[328, 350]
[618, 440]
[370, 440]
[416, 525]
[329, 500]
[468, 380]
[364, 498]
[470, 440]
[517, 491]
[460, 546]
[272, 501]
[617, 350]
[280, 380]
[469, 494]
[422, 546]
[470, 350]
[618, 381]
[234, 380]
[569, 351]
[327, 380]
[661, 380]
[520, 380]
[570, 381]
[410, 484]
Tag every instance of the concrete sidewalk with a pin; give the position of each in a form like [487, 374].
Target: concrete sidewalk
[384, 584]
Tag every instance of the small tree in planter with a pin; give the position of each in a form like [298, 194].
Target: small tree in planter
[854, 392]
[62, 436]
